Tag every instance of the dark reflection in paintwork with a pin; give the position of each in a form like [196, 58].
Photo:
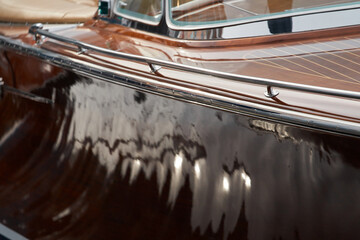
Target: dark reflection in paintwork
[106, 161]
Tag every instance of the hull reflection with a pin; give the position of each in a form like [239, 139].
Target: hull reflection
[106, 162]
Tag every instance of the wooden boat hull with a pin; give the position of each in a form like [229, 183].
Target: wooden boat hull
[97, 147]
[103, 162]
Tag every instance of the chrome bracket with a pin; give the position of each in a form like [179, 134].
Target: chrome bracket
[81, 51]
[154, 68]
[270, 92]
[33, 30]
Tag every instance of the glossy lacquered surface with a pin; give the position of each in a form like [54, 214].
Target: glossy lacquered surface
[325, 62]
[294, 56]
[106, 161]
[326, 59]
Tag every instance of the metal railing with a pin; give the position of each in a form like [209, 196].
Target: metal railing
[156, 64]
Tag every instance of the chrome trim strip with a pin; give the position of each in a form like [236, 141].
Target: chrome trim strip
[10, 234]
[28, 95]
[259, 111]
[173, 26]
[242, 78]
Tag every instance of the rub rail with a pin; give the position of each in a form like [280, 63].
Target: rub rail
[39, 33]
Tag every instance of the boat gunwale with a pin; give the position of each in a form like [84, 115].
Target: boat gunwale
[225, 103]
[83, 47]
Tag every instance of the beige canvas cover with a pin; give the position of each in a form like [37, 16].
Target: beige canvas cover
[47, 11]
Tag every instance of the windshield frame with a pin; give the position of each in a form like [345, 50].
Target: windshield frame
[290, 13]
[138, 17]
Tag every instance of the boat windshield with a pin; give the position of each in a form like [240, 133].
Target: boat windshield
[148, 11]
[200, 12]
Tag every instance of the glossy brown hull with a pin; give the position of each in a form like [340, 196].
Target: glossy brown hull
[117, 175]
[105, 161]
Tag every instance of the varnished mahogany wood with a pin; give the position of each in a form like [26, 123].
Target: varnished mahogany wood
[106, 161]
[300, 61]
[62, 179]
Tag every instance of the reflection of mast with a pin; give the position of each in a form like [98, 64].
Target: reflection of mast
[280, 25]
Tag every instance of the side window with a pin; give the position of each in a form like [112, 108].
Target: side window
[205, 12]
[149, 11]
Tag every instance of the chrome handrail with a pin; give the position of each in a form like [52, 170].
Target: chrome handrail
[39, 33]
